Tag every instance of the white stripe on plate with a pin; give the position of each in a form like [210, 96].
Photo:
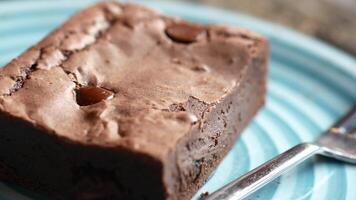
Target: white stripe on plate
[322, 174]
[33, 23]
[26, 40]
[293, 122]
[256, 156]
[351, 178]
[13, 7]
[310, 108]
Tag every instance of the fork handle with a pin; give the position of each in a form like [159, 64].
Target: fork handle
[265, 173]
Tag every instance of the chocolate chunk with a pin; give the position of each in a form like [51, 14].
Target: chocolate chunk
[184, 32]
[91, 95]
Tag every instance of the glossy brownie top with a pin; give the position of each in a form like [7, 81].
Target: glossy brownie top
[123, 75]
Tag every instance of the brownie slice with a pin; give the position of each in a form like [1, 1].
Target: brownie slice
[122, 102]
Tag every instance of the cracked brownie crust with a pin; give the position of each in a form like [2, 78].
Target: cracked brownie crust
[122, 102]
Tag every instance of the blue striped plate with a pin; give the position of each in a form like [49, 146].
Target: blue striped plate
[310, 85]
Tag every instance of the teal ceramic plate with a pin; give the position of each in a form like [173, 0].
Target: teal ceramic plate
[310, 85]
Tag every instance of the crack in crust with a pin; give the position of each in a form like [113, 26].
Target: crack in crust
[20, 80]
[110, 18]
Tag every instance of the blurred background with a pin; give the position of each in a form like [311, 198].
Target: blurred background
[333, 21]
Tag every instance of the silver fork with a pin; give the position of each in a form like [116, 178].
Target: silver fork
[339, 142]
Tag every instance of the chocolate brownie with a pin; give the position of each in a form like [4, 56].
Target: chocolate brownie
[122, 102]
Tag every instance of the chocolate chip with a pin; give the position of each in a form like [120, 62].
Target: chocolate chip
[184, 33]
[91, 95]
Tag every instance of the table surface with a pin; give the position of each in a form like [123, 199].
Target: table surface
[329, 20]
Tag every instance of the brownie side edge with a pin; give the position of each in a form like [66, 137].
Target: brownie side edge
[60, 169]
[199, 154]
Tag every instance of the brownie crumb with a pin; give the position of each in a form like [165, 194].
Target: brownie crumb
[203, 195]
